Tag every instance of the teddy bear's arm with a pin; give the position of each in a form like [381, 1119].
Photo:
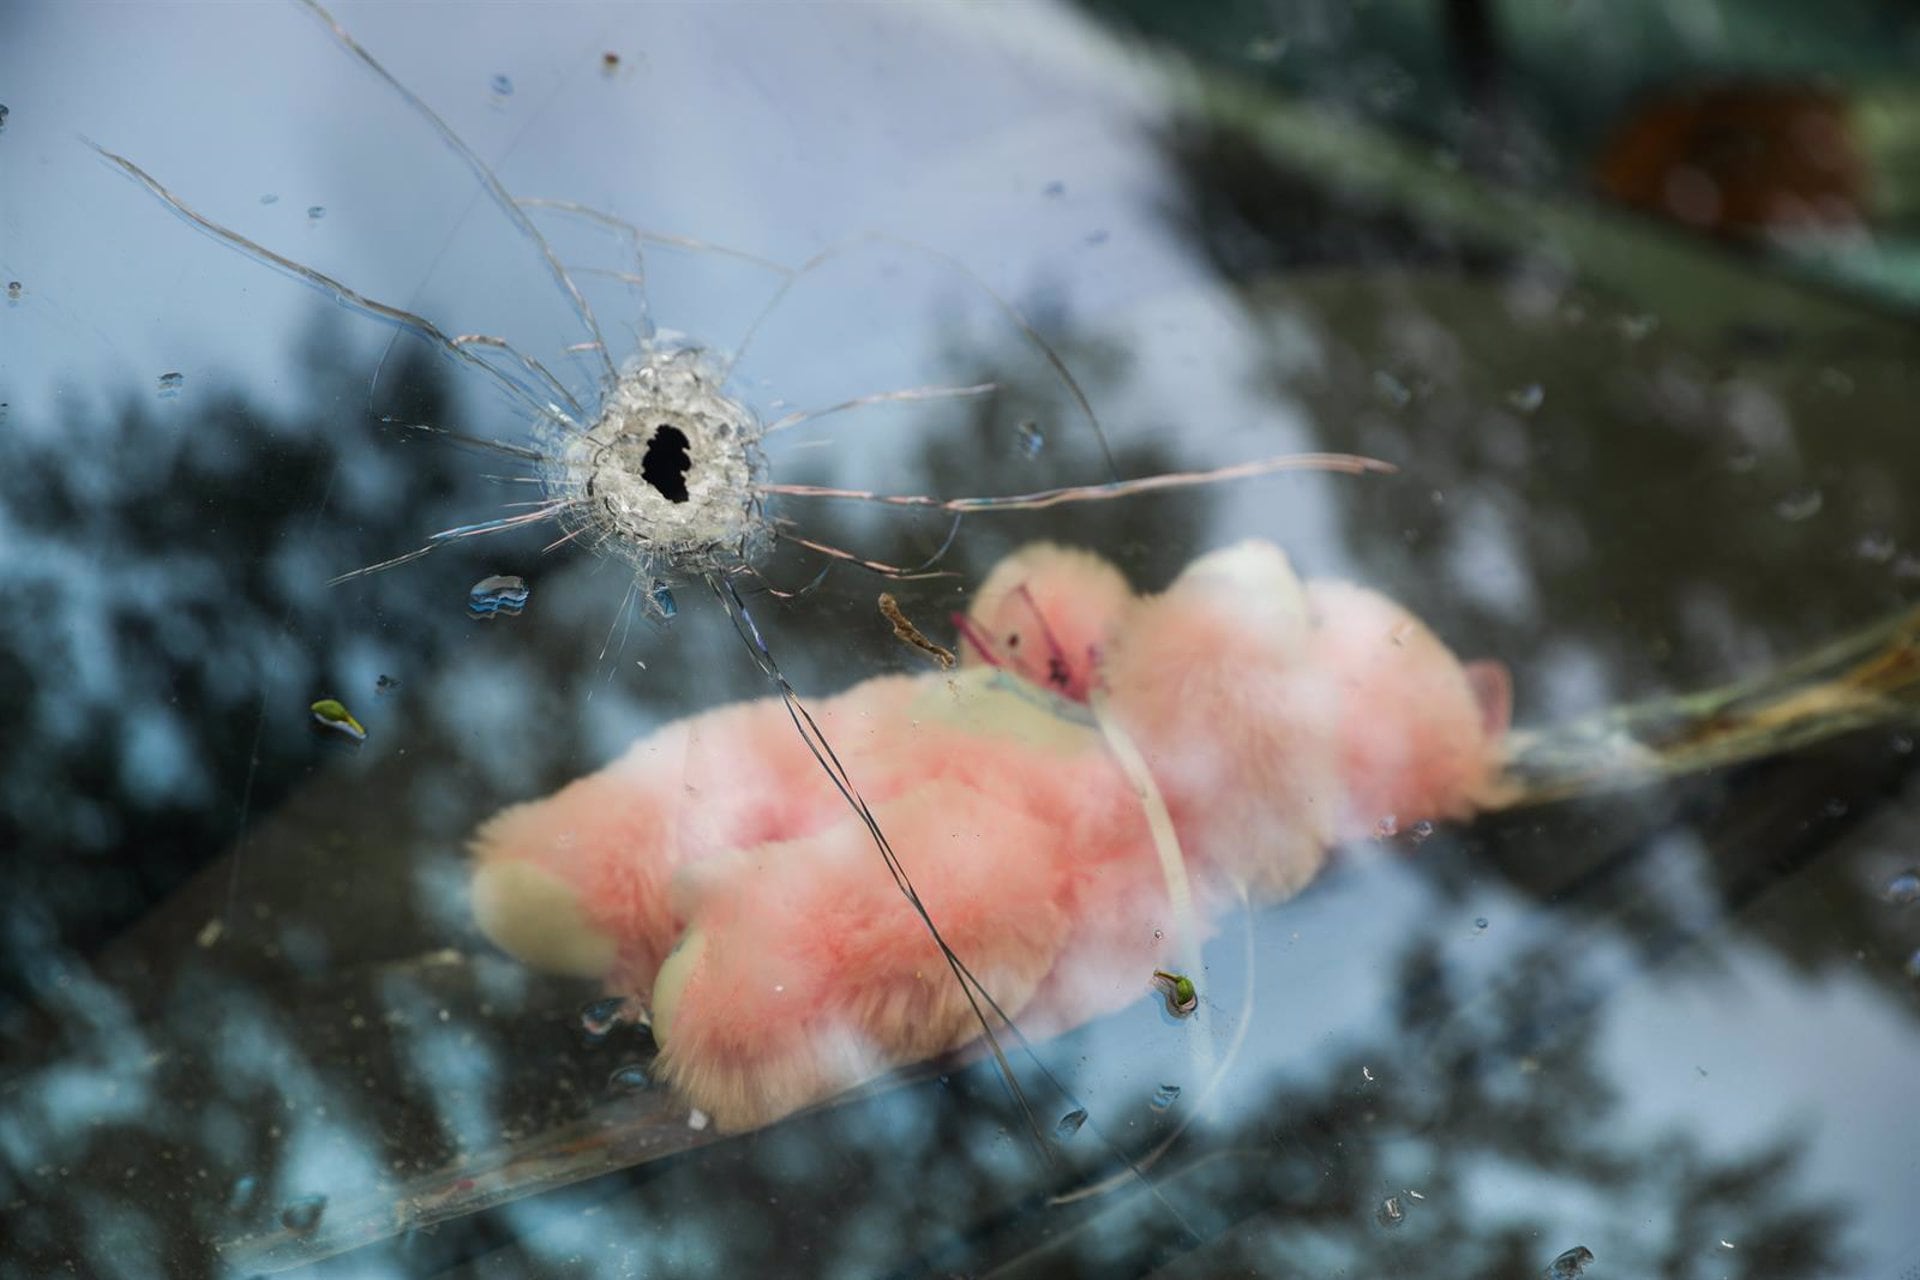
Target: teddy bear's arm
[577, 882]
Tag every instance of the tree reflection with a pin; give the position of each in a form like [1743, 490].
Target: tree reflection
[168, 624]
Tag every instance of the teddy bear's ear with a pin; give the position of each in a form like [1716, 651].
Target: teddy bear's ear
[1256, 579]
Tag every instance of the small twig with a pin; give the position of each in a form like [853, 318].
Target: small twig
[904, 629]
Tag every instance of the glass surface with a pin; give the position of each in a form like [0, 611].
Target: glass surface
[247, 1020]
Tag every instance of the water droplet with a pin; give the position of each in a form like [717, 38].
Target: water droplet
[242, 1194]
[334, 717]
[1479, 924]
[1903, 889]
[1801, 504]
[1570, 1264]
[1875, 547]
[1391, 389]
[598, 1018]
[270, 198]
[1165, 1096]
[502, 86]
[385, 685]
[1391, 1212]
[631, 1078]
[210, 933]
[1912, 967]
[1421, 830]
[1054, 189]
[303, 1215]
[1387, 827]
[315, 212]
[502, 593]
[1902, 744]
[1032, 439]
[1070, 1123]
[664, 605]
[170, 383]
[1528, 398]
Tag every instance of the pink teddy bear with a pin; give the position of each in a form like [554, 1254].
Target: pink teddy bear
[716, 874]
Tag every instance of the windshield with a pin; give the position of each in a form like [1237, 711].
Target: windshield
[944, 640]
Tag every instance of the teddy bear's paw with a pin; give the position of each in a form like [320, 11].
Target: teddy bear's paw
[537, 918]
[774, 1047]
[576, 882]
[1255, 583]
[579, 882]
[748, 1042]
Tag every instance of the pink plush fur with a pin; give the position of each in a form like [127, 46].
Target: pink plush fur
[714, 872]
[730, 779]
[813, 973]
[1419, 734]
